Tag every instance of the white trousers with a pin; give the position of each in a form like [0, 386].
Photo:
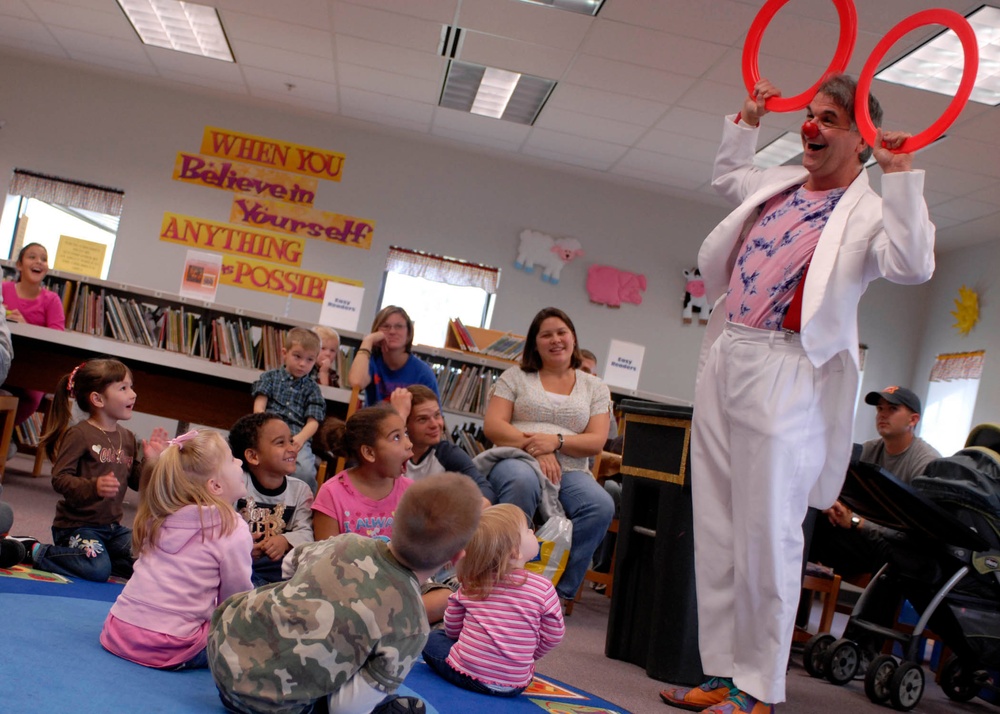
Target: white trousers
[761, 434]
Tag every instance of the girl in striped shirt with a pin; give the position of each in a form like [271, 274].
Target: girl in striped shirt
[503, 618]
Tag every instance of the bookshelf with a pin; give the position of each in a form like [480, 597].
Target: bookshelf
[177, 345]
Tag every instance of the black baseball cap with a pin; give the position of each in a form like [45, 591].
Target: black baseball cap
[895, 395]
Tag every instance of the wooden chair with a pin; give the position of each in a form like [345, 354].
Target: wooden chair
[829, 587]
[45, 408]
[605, 464]
[8, 407]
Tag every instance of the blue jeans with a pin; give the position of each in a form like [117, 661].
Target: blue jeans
[436, 652]
[586, 503]
[305, 466]
[69, 554]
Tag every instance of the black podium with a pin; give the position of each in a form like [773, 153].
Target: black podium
[654, 616]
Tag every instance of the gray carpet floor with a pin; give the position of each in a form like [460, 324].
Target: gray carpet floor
[578, 661]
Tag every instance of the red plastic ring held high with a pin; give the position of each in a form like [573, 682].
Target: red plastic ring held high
[966, 34]
[751, 49]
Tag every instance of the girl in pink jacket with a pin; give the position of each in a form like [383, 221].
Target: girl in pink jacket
[194, 552]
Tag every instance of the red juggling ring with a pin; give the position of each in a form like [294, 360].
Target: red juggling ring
[961, 27]
[751, 49]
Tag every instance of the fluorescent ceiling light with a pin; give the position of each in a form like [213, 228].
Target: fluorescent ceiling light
[494, 92]
[780, 151]
[182, 26]
[937, 64]
[583, 7]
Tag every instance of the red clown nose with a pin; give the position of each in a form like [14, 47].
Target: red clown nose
[809, 129]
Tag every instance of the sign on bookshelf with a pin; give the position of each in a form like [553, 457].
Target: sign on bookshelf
[200, 279]
[624, 364]
[341, 306]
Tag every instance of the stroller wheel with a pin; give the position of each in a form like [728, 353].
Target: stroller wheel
[877, 678]
[906, 686]
[812, 654]
[958, 682]
[841, 661]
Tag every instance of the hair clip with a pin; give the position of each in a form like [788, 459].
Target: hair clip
[71, 383]
[179, 441]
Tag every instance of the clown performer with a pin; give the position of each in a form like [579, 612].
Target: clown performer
[774, 398]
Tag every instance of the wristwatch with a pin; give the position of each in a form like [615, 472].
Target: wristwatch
[855, 522]
[560, 437]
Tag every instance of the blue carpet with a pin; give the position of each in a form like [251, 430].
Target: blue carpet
[56, 664]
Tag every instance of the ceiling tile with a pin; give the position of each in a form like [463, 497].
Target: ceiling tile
[386, 27]
[588, 126]
[104, 19]
[651, 48]
[285, 35]
[525, 22]
[78, 44]
[718, 21]
[294, 64]
[514, 55]
[613, 76]
[965, 209]
[375, 80]
[436, 10]
[354, 101]
[662, 169]
[507, 132]
[390, 58]
[610, 105]
[306, 13]
[276, 84]
[678, 145]
[688, 122]
[591, 153]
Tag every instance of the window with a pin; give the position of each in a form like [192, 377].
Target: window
[53, 211]
[433, 289]
[951, 399]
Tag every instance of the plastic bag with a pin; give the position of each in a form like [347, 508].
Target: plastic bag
[554, 540]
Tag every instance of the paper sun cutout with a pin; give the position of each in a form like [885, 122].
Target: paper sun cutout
[966, 312]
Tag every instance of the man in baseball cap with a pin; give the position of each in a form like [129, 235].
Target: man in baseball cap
[845, 541]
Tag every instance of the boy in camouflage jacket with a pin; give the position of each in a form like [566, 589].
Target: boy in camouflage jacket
[343, 631]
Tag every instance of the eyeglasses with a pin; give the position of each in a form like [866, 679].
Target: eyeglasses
[395, 327]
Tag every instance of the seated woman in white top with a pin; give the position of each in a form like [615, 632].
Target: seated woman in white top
[558, 415]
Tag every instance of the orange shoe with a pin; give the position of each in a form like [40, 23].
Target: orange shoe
[715, 691]
[739, 702]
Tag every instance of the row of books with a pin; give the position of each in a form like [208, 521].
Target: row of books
[470, 439]
[466, 389]
[507, 346]
[29, 432]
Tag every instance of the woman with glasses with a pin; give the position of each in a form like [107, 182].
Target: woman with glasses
[384, 361]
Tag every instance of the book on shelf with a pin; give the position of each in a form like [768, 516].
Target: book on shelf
[464, 336]
[29, 432]
[508, 347]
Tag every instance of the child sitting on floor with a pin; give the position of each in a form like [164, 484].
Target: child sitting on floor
[194, 552]
[276, 505]
[503, 617]
[93, 463]
[342, 634]
[362, 499]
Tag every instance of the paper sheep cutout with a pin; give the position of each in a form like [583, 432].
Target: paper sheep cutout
[552, 254]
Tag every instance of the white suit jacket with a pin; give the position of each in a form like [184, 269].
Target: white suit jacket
[866, 237]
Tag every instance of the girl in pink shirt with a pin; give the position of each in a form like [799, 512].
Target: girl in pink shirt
[28, 302]
[503, 618]
[194, 552]
[363, 498]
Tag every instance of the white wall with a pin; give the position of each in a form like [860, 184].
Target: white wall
[976, 267]
[422, 194]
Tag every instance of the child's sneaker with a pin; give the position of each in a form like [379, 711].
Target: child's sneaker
[401, 705]
[11, 552]
[715, 691]
[29, 544]
[740, 703]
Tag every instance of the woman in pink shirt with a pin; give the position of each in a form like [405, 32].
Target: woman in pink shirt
[27, 301]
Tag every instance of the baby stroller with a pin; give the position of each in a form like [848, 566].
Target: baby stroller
[944, 558]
